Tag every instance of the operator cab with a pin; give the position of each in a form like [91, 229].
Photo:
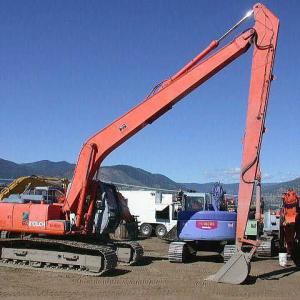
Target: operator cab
[50, 194]
[197, 202]
[38, 195]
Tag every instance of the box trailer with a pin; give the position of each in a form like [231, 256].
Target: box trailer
[156, 211]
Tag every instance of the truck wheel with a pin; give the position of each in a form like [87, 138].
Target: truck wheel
[160, 231]
[146, 230]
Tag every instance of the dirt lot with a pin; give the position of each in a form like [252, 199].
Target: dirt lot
[155, 278]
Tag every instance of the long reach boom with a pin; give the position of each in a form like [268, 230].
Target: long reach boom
[263, 37]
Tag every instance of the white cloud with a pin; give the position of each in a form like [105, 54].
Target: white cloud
[267, 176]
[286, 176]
[223, 175]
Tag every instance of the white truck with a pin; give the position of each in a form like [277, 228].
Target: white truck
[155, 210]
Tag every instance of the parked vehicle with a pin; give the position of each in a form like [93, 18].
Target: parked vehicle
[156, 211]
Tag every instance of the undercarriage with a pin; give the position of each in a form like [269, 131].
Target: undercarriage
[66, 255]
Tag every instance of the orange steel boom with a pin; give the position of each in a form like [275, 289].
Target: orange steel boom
[266, 28]
[263, 36]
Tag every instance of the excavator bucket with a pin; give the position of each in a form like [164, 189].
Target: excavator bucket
[235, 271]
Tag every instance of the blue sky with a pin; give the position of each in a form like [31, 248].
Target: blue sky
[69, 68]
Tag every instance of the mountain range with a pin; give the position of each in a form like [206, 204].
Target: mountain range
[122, 174]
[127, 175]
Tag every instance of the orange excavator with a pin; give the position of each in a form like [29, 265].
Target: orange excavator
[290, 225]
[70, 235]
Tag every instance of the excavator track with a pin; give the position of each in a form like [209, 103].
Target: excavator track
[65, 256]
[229, 250]
[128, 252]
[267, 247]
[180, 252]
[177, 252]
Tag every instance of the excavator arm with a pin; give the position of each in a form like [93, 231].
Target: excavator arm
[266, 27]
[263, 37]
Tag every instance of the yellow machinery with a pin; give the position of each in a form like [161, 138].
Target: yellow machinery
[22, 184]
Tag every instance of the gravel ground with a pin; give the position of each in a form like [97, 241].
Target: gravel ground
[154, 278]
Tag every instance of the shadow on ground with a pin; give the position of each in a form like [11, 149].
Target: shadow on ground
[147, 260]
[278, 274]
[215, 258]
[274, 275]
[116, 272]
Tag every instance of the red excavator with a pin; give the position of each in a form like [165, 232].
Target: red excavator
[290, 225]
[71, 235]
